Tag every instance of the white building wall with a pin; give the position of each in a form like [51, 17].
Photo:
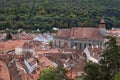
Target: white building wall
[18, 51]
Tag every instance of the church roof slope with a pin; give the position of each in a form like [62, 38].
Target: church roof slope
[85, 33]
[63, 33]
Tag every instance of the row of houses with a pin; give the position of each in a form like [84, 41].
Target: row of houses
[24, 57]
[20, 60]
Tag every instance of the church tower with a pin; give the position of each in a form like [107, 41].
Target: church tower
[102, 27]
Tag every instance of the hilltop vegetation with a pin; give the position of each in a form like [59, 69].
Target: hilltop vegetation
[46, 14]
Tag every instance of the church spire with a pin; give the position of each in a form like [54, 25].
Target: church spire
[102, 23]
[102, 27]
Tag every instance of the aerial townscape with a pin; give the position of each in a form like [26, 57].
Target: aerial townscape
[59, 40]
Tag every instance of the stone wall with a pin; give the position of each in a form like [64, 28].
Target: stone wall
[60, 43]
[81, 44]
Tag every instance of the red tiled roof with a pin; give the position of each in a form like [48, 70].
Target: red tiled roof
[73, 75]
[85, 33]
[47, 51]
[95, 51]
[79, 33]
[114, 32]
[10, 45]
[31, 61]
[46, 62]
[63, 33]
[4, 72]
[23, 36]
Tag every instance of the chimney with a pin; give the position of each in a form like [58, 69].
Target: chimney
[102, 27]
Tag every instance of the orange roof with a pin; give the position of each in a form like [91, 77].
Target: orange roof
[95, 51]
[46, 62]
[63, 33]
[79, 33]
[35, 76]
[85, 33]
[73, 75]
[11, 45]
[47, 51]
[4, 72]
[114, 31]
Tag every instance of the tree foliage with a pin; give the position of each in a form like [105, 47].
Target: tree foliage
[110, 61]
[93, 71]
[48, 74]
[52, 73]
[117, 77]
[37, 14]
[61, 72]
[8, 35]
[109, 64]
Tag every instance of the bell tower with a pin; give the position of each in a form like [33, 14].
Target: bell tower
[102, 27]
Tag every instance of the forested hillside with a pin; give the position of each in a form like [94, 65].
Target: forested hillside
[45, 14]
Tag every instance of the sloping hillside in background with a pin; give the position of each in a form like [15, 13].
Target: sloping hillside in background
[46, 14]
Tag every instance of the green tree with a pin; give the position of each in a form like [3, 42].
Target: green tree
[93, 71]
[48, 74]
[110, 60]
[52, 73]
[117, 77]
[61, 72]
[109, 64]
[8, 35]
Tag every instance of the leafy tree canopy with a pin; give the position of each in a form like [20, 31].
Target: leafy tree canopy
[109, 64]
[45, 14]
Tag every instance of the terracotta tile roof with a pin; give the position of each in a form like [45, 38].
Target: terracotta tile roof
[23, 36]
[78, 58]
[17, 69]
[114, 32]
[10, 45]
[15, 72]
[85, 33]
[63, 33]
[46, 62]
[79, 33]
[95, 51]
[47, 51]
[69, 75]
[4, 72]
[31, 61]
